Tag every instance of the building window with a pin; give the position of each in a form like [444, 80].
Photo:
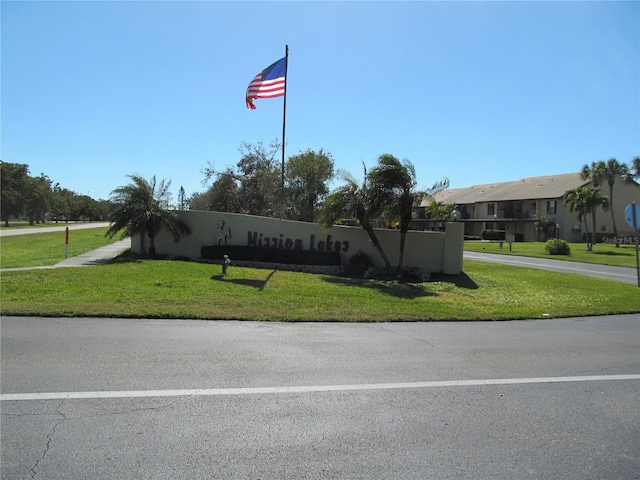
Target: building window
[603, 228]
[491, 209]
[551, 207]
[576, 228]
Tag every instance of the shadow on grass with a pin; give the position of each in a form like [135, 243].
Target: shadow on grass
[613, 254]
[462, 281]
[245, 282]
[127, 257]
[399, 290]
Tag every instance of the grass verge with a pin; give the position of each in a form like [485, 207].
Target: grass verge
[175, 289]
[602, 254]
[33, 250]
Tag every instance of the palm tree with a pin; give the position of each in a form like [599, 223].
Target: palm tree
[395, 182]
[609, 171]
[575, 201]
[358, 200]
[439, 210]
[141, 207]
[594, 199]
[585, 201]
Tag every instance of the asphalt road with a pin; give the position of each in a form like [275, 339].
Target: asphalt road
[156, 399]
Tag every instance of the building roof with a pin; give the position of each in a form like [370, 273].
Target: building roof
[550, 186]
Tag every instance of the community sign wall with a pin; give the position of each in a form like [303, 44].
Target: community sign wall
[433, 252]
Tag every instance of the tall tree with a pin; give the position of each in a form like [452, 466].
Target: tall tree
[609, 171]
[38, 194]
[199, 201]
[224, 195]
[143, 207]
[13, 181]
[63, 203]
[395, 182]
[352, 199]
[182, 200]
[85, 208]
[306, 177]
[260, 179]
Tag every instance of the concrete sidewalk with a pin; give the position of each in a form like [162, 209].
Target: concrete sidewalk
[97, 256]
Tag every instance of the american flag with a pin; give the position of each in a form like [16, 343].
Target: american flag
[269, 83]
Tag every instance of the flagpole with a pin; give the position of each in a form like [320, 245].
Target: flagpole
[284, 122]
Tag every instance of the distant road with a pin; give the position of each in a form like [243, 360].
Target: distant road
[60, 227]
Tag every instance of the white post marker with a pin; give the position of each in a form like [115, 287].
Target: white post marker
[631, 216]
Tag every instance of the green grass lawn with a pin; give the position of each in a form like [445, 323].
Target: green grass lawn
[602, 254]
[176, 289]
[38, 249]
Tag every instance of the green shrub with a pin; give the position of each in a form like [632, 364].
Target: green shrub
[357, 265]
[493, 234]
[556, 246]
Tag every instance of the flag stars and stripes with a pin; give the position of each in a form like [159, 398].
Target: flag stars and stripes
[269, 83]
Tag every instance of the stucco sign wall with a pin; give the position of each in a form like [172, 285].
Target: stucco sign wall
[430, 251]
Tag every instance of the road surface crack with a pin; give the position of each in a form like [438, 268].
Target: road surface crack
[49, 440]
[422, 340]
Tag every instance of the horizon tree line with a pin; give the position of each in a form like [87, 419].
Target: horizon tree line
[38, 199]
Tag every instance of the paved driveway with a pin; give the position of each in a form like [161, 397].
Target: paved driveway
[621, 274]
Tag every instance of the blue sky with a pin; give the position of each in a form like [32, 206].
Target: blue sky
[474, 91]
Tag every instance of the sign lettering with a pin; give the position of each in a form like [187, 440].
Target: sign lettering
[323, 244]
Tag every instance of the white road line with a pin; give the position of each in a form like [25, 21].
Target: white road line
[205, 392]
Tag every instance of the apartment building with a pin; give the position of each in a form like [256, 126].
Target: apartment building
[513, 207]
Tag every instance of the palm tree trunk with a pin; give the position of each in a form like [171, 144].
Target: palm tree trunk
[152, 246]
[403, 237]
[613, 217]
[152, 238]
[404, 227]
[376, 243]
[586, 229]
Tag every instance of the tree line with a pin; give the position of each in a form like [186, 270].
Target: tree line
[38, 199]
[258, 184]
